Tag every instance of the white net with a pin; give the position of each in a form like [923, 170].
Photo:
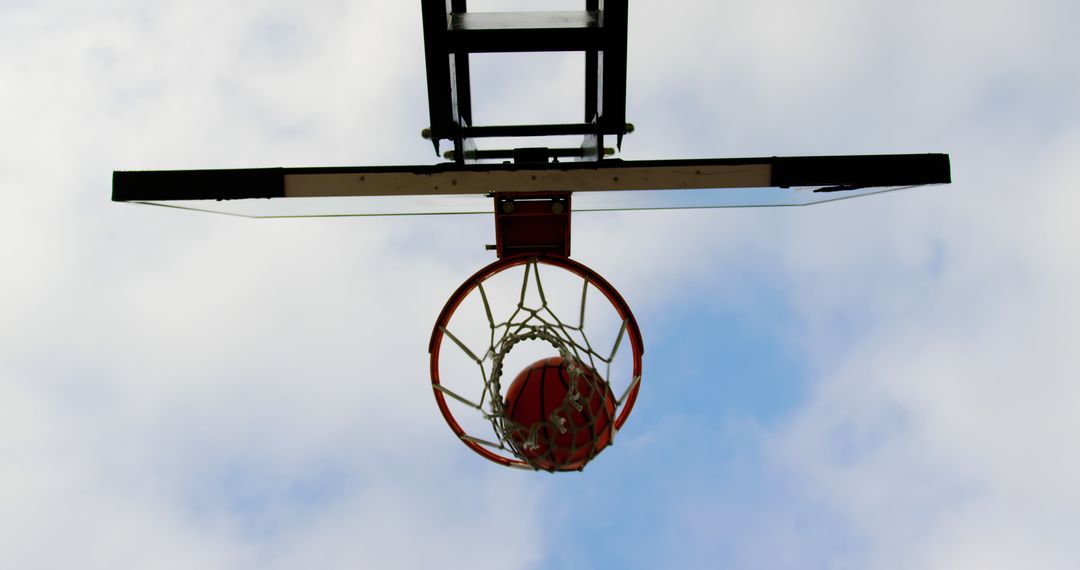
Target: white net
[505, 324]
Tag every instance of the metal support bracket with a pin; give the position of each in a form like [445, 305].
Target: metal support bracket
[451, 33]
[532, 223]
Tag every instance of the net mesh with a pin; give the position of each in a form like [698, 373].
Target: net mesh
[571, 431]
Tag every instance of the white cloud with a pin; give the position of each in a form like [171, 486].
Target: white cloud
[940, 430]
[186, 391]
[200, 391]
[943, 431]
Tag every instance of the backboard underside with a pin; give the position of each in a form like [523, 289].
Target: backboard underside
[451, 188]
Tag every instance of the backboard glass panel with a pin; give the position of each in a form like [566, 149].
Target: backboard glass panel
[605, 186]
[629, 200]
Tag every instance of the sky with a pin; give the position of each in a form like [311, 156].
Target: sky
[890, 382]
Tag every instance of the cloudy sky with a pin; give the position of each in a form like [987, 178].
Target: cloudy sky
[889, 382]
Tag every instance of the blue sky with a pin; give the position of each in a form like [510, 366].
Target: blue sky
[881, 383]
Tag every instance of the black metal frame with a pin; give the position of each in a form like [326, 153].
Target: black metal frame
[451, 33]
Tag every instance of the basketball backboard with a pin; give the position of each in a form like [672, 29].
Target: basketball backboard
[452, 188]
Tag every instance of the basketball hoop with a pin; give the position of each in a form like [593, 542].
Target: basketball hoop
[558, 412]
[589, 413]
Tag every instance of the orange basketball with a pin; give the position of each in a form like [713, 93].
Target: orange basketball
[556, 427]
